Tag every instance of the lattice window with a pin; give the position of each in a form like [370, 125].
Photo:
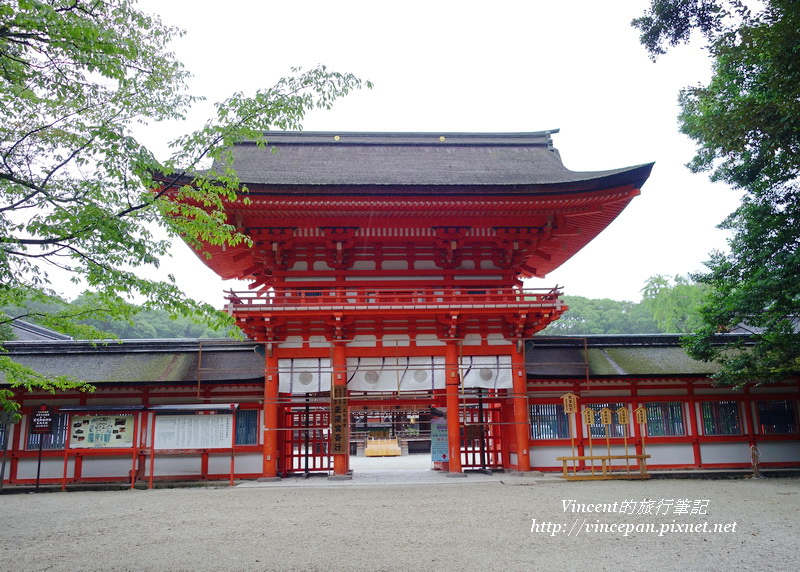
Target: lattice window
[548, 421]
[665, 419]
[777, 417]
[721, 418]
[247, 427]
[615, 429]
[56, 439]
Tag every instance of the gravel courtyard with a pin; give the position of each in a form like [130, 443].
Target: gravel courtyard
[453, 524]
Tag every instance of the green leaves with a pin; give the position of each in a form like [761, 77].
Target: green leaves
[76, 186]
[17, 376]
[588, 316]
[674, 303]
[746, 123]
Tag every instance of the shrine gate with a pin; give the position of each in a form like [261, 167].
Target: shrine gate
[386, 284]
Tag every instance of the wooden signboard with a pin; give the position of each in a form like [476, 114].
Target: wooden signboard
[340, 420]
[570, 402]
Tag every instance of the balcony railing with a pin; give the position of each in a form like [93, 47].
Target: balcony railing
[375, 298]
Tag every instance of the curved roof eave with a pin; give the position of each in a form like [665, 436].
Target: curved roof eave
[583, 181]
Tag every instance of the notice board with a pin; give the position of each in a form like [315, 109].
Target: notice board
[194, 431]
[101, 431]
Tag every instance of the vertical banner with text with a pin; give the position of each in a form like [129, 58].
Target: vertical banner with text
[340, 434]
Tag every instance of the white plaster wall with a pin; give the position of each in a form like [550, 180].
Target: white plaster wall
[394, 265]
[318, 342]
[363, 265]
[363, 341]
[173, 465]
[481, 277]
[52, 468]
[779, 451]
[497, 340]
[491, 340]
[724, 453]
[670, 454]
[546, 456]
[396, 340]
[645, 392]
[428, 340]
[766, 389]
[716, 391]
[292, 342]
[106, 466]
[244, 463]
[425, 265]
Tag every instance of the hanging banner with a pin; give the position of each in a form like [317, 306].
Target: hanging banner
[440, 452]
[304, 375]
[101, 431]
[402, 373]
[487, 372]
[194, 431]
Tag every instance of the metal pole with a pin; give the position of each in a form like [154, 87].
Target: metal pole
[482, 432]
[6, 426]
[305, 439]
[39, 464]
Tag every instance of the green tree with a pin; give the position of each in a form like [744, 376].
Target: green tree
[77, 77]
[746, 123]
[587, 316]
[674, 303]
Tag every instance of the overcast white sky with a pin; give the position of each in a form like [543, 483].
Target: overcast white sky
[441, 65]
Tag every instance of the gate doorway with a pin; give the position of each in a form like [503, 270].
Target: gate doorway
[306, 439]
[481, 431]
[409, 425]
[305, 442]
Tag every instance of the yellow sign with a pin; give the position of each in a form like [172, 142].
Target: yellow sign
[623, 416]
[570, 401]
[588, 416]
[641, 415]
[606, 416]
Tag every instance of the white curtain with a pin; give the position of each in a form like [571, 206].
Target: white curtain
[419, 373]
[304, 375]
[487, 372]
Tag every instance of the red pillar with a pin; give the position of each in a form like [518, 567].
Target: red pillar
[521, 417]
[340, 379]
[452, 384]
[271, 388]
[695, 427]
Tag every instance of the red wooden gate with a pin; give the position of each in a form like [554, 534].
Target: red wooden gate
[306, 440]
[481, 443]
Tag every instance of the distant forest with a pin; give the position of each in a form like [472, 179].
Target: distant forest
[669, 305]
[142, 323]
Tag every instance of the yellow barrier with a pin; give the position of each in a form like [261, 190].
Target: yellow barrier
[382, 448]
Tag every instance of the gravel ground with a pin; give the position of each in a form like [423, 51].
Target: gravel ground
[459, 524]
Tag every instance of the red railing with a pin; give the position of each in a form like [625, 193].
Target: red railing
[394, 298]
